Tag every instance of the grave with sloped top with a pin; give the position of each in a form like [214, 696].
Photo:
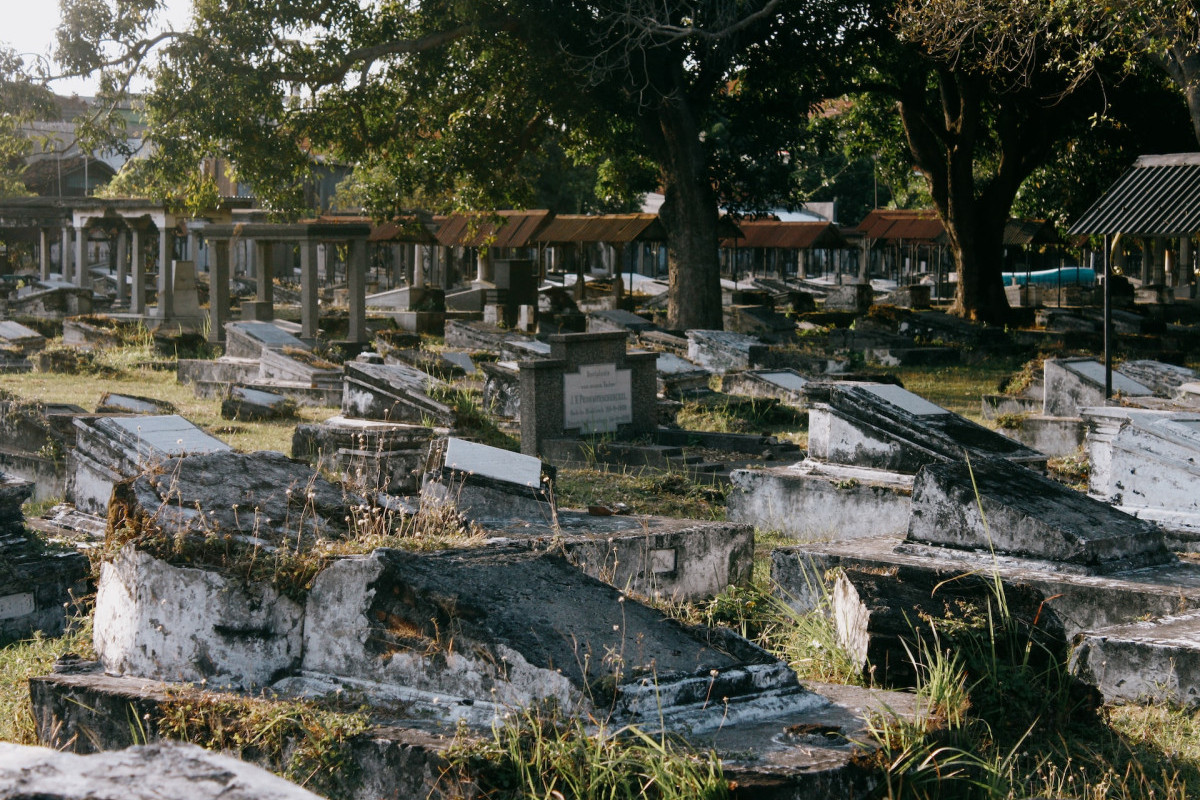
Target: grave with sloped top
[1144, 462]
[34, 440]
[254, 405]
[392, 393]
[866, 441]
[50, 299]
[616, 319]
[115, 403]
[679, 378]
[785, 385]
[725, 351]
[17, 343]
[424, 640]
[111, 449]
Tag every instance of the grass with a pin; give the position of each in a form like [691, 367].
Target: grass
[23, 660]
[671, 494]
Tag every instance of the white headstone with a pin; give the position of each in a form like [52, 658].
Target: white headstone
[598, 398]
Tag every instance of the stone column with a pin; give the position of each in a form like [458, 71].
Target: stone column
[137, 266]
[1185, 271]
[356, 280]
[43, 253]
[218, 290]
[193, 245]
[166, 278]
[1147, 262]
[83, 278]
[264, 254]
[480, 266]
[64, 254]
[122, 267]
[310, 321]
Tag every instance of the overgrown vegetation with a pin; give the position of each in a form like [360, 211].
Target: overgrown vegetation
[731, 414]
[306, 742]
[672, 494]
[27, 659]
[545, 753]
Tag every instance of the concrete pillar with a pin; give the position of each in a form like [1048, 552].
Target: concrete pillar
[1147, 263]
[322, 262]
[137, 266]
[83, 277]
[64, 254]
[166, 278]
[264, 259]
[356, 280]
[1185, 273]
[218, 290]
[310, 322]
[43, 253]
[480, 266]
[122, 267]
[415, 257]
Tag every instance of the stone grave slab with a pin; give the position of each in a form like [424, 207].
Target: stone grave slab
[785, 385]
[461, 360]
[853, 297]
[37, 584]
[252, 405]
[1144, 463]
[1071, 384]
[50, 300]
[616, 319]
[1161, 378]
[114, 403]
[21, 338]
[759, 320]
[488, 484]
[297, 366]
[249, 339]
[883, 426]
[995, 506]
[474, 336]
[1150, 662]
[522, 349]
[110, 449]
[529, 627]
[161, 771]
[724, 351]
[392, 393]
[373, 455]
[679, 378]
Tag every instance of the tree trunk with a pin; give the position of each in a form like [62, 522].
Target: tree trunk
[690, 215]
[976, 244]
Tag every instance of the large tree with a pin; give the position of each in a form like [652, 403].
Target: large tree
[22, 99]
[452, 99]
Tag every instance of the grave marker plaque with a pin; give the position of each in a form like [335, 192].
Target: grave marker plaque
[597, 398]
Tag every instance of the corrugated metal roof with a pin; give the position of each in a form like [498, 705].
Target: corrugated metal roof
[1026, 232]
[787, 235]
[910, 225]
[514, 229]
[407, 229]
[1157, 196]
[610, 228]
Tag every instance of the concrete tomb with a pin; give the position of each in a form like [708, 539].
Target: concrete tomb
[37, 583]
[724, 351]
[607, 320]
[1075, 383]
[679, 378]
[17, 343]
[589, 385]
[111, 449]
[1144, 462]
[866, 441]
[785, 385]
[488, 484]
[392, 393]
[253, 405]
[113, 403]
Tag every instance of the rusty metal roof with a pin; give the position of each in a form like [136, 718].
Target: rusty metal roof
[405, 229]
[1157, 196]
[609, 228]
[787, 235]
[910, 225]
[497, 229]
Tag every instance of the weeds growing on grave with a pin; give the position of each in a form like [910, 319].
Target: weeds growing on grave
[306, 742]
[20, 661]
[646, 491]
[543, 752]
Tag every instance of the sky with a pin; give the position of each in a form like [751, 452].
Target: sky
[29, 25]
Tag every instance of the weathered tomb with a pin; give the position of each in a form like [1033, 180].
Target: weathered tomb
[590, 384]
[161, 771]
[852, 297]
[38, 584]
[1144, 462]
[679, 378]
[248, 339]
[34, 440]
[114, 403]
[1074, 383]
[254, 405]
[785, 385]
[502, 388]
[392, 393]
[616, 319]
[488, 484]
[17, 343]
[50, 299]
[725, 351]
[866, 441]
[989, 531]
[110, 449]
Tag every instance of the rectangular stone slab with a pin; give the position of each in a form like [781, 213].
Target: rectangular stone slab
[492, 462]
[996, 506]
[166, 435]
[880, 426]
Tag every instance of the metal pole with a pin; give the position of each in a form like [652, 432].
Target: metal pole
[1107, 325]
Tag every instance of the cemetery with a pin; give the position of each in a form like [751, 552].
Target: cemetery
[513, 403]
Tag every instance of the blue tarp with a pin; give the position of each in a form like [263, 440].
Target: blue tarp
[1051, 277]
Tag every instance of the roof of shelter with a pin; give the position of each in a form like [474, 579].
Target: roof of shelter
[608, 228]
[910, 225]
[497, 229]
[1157, 196]
[1026, 232]
[786, 235]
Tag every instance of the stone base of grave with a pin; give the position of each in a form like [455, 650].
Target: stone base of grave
[997, 405]
[88, 712]
[820, 502]
[653, 556]
[1155, 661]
[881, 593]
[1052, 436]
[387, 456]
[48, 475]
